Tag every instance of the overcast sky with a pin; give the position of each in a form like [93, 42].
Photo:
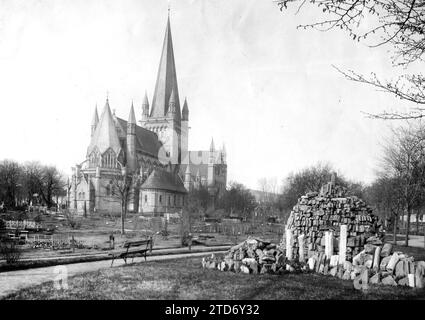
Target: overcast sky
[252, 80]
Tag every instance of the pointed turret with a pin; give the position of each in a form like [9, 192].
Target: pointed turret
[132, 116]
[185, 133]
[187, 178]
[185, 111]
[95, 121]
[131, 140]
[145, 107]
[166, 81]
[172, 104]
[223, 153]
[105, 136]
[187, 170]
[212, 147]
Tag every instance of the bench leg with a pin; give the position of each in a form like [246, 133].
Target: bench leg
[112, 261]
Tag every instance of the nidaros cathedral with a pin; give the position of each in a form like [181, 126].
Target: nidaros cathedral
[154, 150]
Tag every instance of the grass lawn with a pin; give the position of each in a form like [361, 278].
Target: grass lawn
[185, 279]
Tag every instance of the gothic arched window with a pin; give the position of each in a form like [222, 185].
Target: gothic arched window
[109, 159]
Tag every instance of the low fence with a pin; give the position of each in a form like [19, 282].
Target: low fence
[54, 242]
[270, 230]
[22, 224]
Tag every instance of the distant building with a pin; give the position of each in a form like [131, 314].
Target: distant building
[155, 150]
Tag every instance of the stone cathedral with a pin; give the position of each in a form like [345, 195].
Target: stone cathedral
[153, 153]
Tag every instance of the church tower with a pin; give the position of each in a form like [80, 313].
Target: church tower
[165, 114]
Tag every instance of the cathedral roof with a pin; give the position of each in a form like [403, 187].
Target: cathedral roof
[105, 136]
[146, 141]
[166, 80]
[163, 180]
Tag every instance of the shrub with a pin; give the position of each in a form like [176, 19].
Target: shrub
[10, 251]
[38, 218]
[71, 220]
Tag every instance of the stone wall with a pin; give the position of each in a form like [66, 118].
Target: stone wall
[318, 213]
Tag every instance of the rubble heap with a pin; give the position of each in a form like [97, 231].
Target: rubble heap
[367, 260]
[375, 264]
[316, 213]
[253, 256]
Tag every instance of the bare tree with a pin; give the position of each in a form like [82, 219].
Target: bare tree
[398, 23]
[51, 184]
[385, 194]
[32, 177]
[404, 160]
[269, 189]
[10, 182]
[123, 188]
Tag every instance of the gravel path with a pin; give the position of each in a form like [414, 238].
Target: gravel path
[414, 241]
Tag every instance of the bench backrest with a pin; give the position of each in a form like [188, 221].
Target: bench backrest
[138, 243]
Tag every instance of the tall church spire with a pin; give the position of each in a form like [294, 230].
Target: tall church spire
[166, 80]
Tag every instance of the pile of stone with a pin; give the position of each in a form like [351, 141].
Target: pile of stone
[254, 256]
[373, 265]
[315, 213]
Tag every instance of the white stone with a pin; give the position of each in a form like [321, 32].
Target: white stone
[342, 243]
[411, 278]
[288, 244]
[311, 263]
[301, 257]
[334, 260]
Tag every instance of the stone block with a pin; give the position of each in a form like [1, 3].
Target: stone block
[386, 250]
[375, 279]
[403, 282]
[384, 263]
[389, 280]
[393, 261]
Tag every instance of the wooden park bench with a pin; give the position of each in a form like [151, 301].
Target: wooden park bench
[143, 246]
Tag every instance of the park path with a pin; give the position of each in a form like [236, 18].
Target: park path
[414, 241]
[12, 281]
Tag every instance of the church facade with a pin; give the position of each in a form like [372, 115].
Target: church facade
[152, 153]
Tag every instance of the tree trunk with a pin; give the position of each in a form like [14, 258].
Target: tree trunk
[123, 208]
[409, 212]
[395, 229]
[417, 222]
